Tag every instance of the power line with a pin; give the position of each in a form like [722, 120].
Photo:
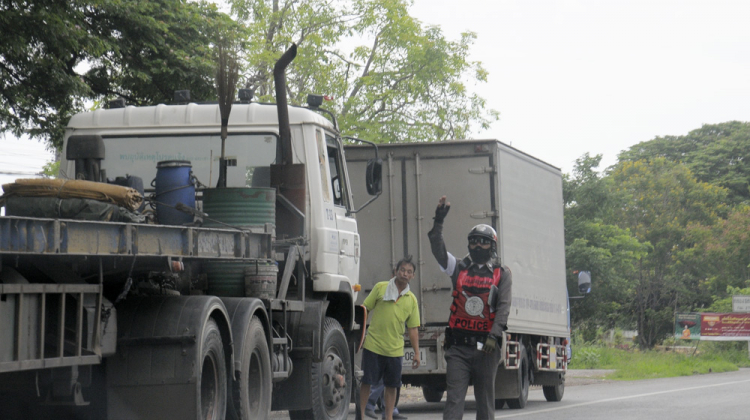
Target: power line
[19, 173]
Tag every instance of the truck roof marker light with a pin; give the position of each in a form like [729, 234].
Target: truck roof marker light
[246, 95]
[314, 101]
[181, 96]
[116, 103]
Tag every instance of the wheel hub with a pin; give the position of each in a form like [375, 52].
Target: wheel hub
[334, 381]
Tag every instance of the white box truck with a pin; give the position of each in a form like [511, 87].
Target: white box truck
[489, 182]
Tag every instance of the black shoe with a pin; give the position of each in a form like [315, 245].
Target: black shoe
[399, 416]
[371, 414]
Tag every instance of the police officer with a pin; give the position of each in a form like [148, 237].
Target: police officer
[478, 316]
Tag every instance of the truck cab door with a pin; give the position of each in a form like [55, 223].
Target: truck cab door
[345, 224]
[338, 238]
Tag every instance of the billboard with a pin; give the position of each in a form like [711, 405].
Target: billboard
[712, 327]
[725, 327]
[687, 326]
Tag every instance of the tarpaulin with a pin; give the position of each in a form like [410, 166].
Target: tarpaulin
[69, 208]
[63, 188]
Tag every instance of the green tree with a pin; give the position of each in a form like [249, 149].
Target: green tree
[724, 252]
[609, 252]
[407, 84]
[142, 51]
[715, 153]
[662, 199]
[51, 169]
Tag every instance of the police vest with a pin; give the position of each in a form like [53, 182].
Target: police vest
[470, 310]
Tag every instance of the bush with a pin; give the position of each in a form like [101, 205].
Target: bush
[618, 339]
[585, 358]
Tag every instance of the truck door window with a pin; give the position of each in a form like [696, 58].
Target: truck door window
[334, 163]
[323, 162]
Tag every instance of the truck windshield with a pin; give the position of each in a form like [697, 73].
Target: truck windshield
[138, 155]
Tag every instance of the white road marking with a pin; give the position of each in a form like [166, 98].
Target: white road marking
[547, 410]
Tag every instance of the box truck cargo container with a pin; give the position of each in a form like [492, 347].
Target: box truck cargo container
[489, 182]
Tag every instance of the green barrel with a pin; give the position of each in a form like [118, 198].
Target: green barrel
[260, 280]
[239, 206]
[225, 278]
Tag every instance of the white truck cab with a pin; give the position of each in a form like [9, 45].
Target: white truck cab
[137, 138]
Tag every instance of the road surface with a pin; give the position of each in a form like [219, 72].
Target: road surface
[723, 396]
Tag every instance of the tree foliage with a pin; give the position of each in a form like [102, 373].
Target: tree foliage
[408, 83]
[715, 153]
[677, 205]
[724, 251]
[661, 200]
[609, 252]
[142, 51]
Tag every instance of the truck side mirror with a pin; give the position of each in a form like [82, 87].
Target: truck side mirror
[374, 176]
[584, 282]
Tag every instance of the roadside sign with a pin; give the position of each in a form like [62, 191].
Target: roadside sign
[687, 326]
[740, 303]
[725, 327]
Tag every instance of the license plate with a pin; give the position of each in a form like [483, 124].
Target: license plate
[552, 357]
[409, 356]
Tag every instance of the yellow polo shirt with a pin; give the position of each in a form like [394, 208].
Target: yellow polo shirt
[385, 336]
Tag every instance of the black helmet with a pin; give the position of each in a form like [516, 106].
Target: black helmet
[484, 231]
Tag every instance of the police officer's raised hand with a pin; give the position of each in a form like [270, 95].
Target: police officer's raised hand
[442, 210]
[490, 344]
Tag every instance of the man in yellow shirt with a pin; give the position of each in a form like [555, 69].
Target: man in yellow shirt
[392, 307]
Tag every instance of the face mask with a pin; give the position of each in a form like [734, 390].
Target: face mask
[480, 255]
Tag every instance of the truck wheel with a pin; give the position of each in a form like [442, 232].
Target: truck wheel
[213, 378]
[499, 404]
[331, 378]
[251, 394]
[554, 393]
[432, 394]
[523, 379]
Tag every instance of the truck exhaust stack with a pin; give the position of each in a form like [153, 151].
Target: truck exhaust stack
[279, 80]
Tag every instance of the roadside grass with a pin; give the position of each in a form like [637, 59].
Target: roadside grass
[631, 364]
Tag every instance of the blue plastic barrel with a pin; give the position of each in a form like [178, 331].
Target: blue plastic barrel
[174, 185]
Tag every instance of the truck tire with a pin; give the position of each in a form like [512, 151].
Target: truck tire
[523, 382]
[213, 377]
[331, 378]
[432, 394]
[554, 393]
[251, 394]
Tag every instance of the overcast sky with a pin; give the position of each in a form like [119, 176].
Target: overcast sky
[21, 158]
[571, 77]
[577, 76]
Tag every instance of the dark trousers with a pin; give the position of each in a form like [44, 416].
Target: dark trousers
[464, 363]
